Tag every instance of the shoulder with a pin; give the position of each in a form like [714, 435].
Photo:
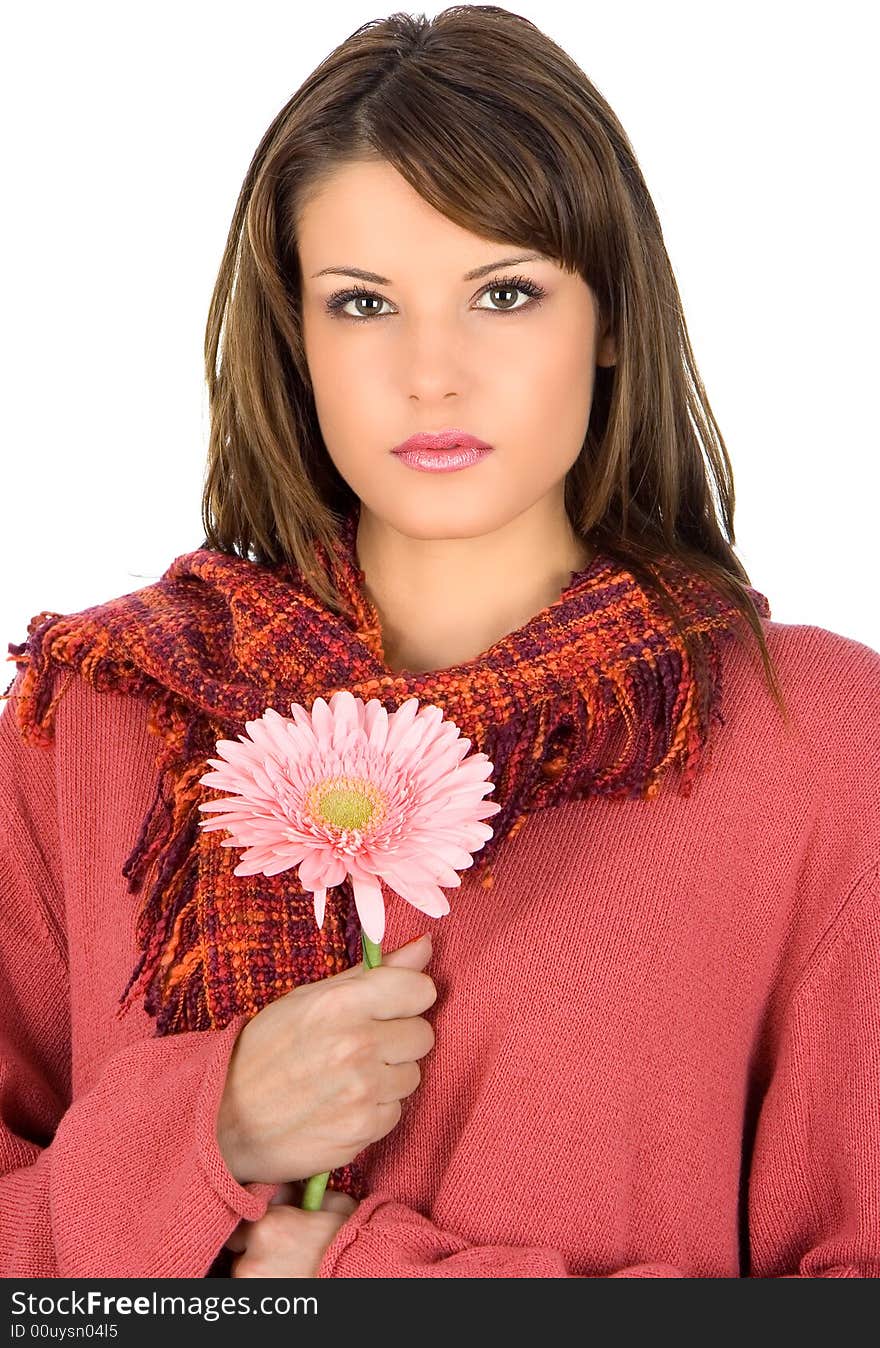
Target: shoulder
[830, 683]
[824, 761]
[811, 652]
[85, 721]
[126, 643]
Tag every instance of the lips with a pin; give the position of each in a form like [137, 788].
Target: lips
[452, 438]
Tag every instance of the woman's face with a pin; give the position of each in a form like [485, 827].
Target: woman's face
[430, 349]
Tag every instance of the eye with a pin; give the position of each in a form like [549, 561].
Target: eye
[509, 286]
[337, 301]
[335, 304]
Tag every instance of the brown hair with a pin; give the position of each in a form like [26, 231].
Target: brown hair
[539, 161]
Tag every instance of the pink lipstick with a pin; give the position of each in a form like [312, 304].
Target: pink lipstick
[444, 452]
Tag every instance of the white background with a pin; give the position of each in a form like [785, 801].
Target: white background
[127, 132]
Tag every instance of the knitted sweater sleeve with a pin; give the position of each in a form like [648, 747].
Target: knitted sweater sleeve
[814, 1186]
[127, 1180]
[814, 1179]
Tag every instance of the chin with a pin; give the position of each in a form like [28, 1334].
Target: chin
[426, 520]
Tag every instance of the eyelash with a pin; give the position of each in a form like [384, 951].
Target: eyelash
[530, 288]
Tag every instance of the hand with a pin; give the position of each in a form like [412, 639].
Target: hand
[319, 1073]
[287, 1242]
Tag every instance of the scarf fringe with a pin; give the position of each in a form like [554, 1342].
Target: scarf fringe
[56, 643]
[167, 926]
[584, 716]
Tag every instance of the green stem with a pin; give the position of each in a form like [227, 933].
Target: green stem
[313, 1194]
[372, 951]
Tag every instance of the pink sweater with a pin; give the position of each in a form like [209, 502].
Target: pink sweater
[657, 1042]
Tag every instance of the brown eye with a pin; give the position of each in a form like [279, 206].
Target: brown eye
[366, 300]
[509, 294]
[354, 295]
[507, 287]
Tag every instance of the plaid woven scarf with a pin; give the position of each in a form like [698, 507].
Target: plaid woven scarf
[593, 695]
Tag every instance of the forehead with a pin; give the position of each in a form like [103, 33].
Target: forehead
[366, 214]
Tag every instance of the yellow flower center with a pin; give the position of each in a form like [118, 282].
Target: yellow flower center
[346, 803]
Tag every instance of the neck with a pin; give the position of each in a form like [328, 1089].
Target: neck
[444, 602]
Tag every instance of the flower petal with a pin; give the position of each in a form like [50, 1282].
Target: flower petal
[303, 722]
[346, 721]
[376, 724]
[322, 723]
[399, 723]
[369, 903]
[321, 867]
[427, 898]
[414, 737]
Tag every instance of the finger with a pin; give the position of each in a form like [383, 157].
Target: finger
[336, 1201]
[286, 1193]
[398, 1081]
[240, 1268]
[238, 1241]
[397, 993]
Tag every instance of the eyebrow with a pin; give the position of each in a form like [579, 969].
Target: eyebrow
[468, 276]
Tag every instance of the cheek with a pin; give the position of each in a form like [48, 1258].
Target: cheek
[545, 409]
[564, 361]
[348, 388]
[548, 358]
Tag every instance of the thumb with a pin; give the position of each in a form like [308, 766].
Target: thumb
[289, 1193]
[414, 955]
[334, 1200]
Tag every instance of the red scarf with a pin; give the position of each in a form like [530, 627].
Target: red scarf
[593, 695]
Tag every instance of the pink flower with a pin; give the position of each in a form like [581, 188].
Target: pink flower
[353, 790]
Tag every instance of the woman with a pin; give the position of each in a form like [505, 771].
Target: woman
[655, 1036]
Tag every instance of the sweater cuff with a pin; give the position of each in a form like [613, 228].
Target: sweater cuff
[248, 1200]
[333, 1264]
[410, 1242]
[649, 1271]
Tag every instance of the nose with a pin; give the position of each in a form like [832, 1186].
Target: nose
[434, 358]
